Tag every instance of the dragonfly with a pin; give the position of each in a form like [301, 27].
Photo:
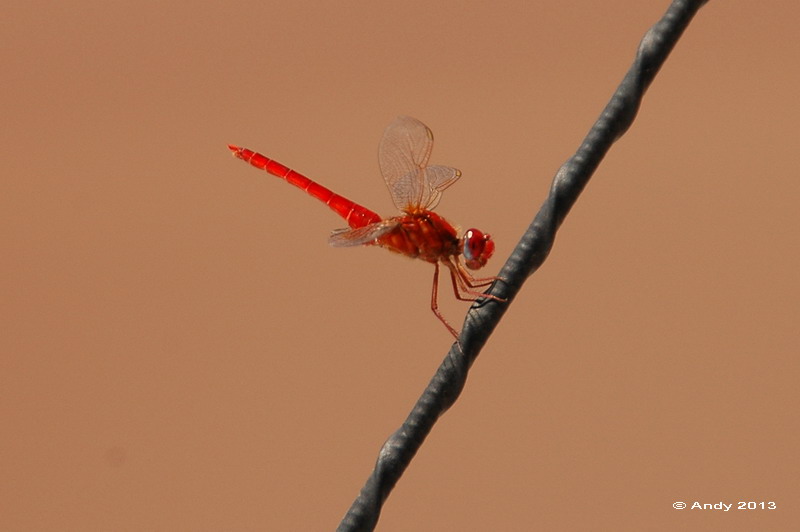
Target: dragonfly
[418, 232]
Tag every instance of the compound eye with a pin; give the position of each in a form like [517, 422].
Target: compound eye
[477, 249]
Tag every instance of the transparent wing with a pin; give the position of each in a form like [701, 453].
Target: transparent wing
[403, 157]
[363, 235]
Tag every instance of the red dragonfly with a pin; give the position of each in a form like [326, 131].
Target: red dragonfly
[416, 189]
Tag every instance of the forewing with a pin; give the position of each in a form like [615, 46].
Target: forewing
[363, 235]
[403, 157]
[435, 180]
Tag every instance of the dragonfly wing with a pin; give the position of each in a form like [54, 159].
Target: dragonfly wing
[403, 157]
[363, 235]
[436, 179]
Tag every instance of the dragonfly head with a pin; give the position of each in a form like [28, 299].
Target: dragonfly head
[477, 248]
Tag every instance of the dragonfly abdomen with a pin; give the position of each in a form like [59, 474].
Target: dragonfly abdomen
[354, 214]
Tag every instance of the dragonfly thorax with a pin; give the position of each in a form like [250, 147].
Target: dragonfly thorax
[422, 235]
[477, 248]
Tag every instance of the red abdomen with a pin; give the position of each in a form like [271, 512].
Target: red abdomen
[355, 215]
[424, 235]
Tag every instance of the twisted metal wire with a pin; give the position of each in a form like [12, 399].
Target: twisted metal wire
[532, 250]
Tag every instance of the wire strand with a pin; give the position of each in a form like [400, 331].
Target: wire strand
[531, 251]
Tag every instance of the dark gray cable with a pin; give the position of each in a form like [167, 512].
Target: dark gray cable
[530, 253]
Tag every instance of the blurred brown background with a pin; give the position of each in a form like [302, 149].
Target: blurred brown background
[181, 350]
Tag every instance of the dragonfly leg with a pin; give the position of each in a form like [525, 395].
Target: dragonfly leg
[464, 283]
[435, 301]
[474, 282]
